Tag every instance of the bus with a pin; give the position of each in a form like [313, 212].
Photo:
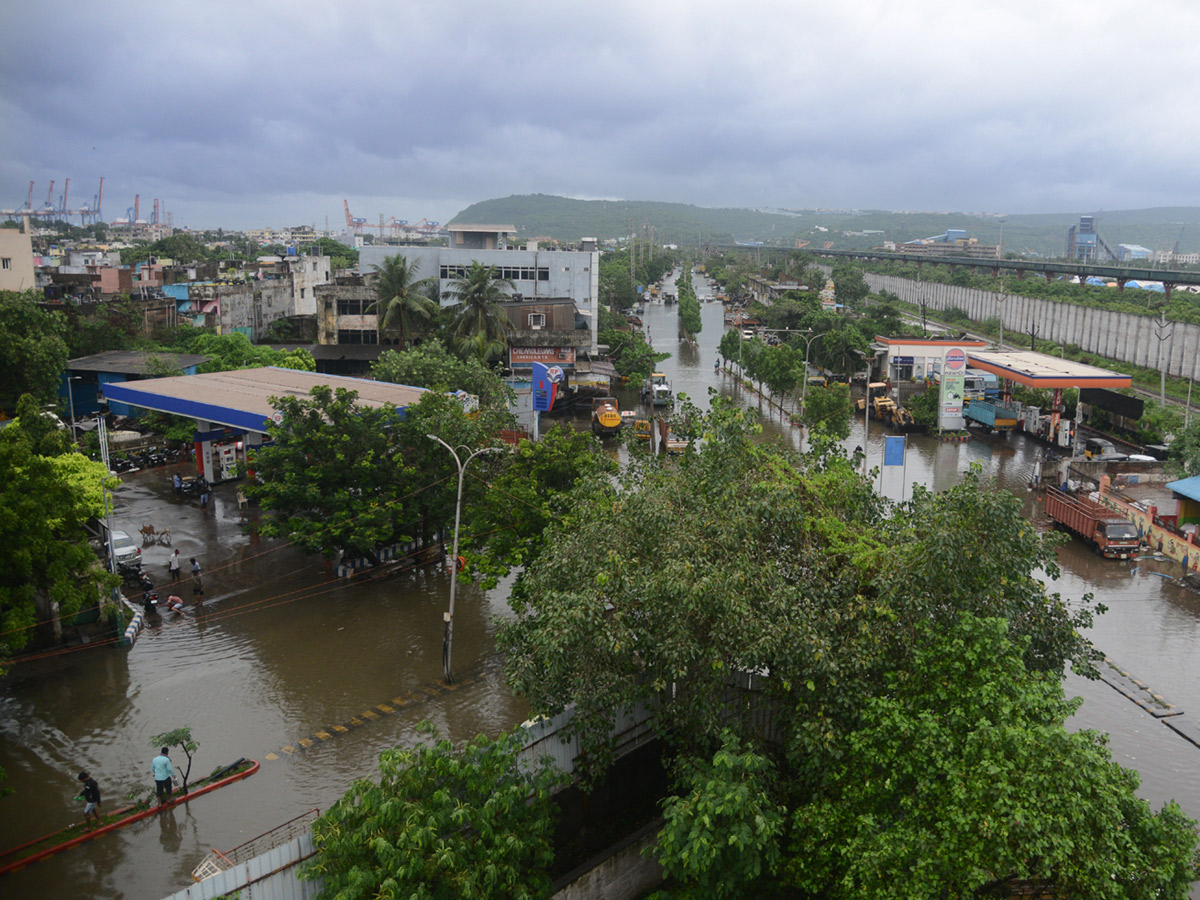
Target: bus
[977, 385]
[980, 385]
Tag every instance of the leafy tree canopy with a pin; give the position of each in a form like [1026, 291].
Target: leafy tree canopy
[961, 778]
[534, 498]
[50, 569]
[745, 558]
[342, 477]
[442, 823]
[829, 410]
[431, 365]
[723, 829]
[228, 352]
[33, 352]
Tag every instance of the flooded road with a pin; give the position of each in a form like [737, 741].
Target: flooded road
[278, 655]
[275, 655]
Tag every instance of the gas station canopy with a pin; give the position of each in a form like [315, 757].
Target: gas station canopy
[242, 398]
[1037, 370]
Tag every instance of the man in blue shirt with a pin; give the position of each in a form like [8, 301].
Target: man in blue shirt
[163, 772]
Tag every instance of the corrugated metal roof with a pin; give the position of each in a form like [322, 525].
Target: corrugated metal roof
[133, 362]
[1188, 487]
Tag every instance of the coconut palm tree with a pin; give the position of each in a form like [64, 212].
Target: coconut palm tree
[403, 308]
[479, 326]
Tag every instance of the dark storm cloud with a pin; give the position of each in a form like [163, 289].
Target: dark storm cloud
[255, 113]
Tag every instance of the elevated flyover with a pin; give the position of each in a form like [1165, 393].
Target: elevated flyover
[1121, 275]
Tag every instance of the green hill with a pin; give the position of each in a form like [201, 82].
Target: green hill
[564, 219]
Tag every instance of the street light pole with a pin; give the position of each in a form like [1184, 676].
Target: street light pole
[804, 383]
[71, 404]
[448, 639]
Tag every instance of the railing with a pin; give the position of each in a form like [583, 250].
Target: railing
[217, 862]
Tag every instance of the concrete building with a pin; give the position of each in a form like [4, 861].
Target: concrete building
[765, 291]
[1127, 252]
[915, 359]
[16, 260]
[538, 275]
[546, 331]
[345, 314]
[248, 307]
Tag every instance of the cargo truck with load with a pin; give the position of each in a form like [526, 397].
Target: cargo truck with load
[1112, 535]
[992, 416]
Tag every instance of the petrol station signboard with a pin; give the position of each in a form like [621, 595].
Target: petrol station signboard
[950, 405]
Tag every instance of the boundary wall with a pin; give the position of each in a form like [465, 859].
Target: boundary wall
[1116, 335]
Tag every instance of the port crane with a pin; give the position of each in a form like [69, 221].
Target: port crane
[354, 223]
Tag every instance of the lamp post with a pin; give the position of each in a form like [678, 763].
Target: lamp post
[804, 383]
[448, 639]
[71, 406]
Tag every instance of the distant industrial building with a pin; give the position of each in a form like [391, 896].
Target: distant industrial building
[1133, 251]
[1084, 243]
[954, 242]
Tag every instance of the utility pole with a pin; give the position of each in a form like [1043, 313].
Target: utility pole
[1000, 300]
[1163, 332]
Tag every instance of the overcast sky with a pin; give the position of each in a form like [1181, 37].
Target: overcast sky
[253, 114]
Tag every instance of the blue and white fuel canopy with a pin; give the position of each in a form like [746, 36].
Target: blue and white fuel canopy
[242, 398]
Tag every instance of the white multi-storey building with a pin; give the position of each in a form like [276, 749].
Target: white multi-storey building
[538, 275]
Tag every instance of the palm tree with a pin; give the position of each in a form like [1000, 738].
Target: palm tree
[479, 326]
[403, 307]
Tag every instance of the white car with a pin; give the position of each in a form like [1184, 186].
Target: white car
[125, 550]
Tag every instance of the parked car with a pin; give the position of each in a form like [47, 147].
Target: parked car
[126, 551]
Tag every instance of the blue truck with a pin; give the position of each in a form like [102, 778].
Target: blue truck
[992, 416]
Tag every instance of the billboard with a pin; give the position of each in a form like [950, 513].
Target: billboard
[524, 357]
[950, 404]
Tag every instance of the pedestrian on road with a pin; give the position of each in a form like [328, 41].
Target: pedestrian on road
[91, 797]
[163, 773]
[178, 482]
[204, 494]
[197, 581]
[173, 565]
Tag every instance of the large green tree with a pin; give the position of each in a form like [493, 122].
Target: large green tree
[328, 478]
[404, 307]
[962, 779]
[828, 409]
[746, 558]
[50, 570]
[479, 325]
[431, 365]
[343, 477]
[441, 823]
[534, 499]
[33, 351]
[228, 352]
[849, 285]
